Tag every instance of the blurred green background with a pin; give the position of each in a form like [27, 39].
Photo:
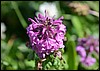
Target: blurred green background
[80, 17]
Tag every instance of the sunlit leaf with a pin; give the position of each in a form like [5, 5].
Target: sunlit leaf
[78, 26]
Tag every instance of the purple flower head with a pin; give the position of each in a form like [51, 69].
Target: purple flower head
[85, 47]
[81, 51]
[89, 44]
[88, 61]
[97, 49]
[46, 34]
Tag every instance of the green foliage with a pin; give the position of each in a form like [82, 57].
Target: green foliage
[53, 63]
[78, 26]
[72, 55]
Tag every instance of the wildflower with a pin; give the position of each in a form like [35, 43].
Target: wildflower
[50, 7]
[86, 46]
[81, 9]
[46, 34]
[81, 51]
[88, 61]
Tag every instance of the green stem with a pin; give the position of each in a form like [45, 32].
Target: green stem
[22, 20]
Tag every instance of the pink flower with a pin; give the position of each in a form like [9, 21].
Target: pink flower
[85, 47]
[81, 51]
[88, 61]
[46, 34]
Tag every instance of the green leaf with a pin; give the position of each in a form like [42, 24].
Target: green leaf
[48, 66]
[55, 62]
[50, 63]
[21, 18]
[93, 6]
[30, 63]
[62, 50]
[77, 25]
[30, 56]
[72, 55]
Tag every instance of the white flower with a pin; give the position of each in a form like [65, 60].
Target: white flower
[51, 9]
[3, 29]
